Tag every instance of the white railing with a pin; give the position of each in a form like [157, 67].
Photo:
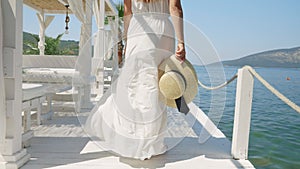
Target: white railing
[243, 104]
[242, 115]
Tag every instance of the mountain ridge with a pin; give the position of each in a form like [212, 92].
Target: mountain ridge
[287, 57]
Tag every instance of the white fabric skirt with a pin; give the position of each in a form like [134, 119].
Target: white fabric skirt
[132, 120]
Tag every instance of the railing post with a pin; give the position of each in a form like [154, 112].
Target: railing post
[242, 116]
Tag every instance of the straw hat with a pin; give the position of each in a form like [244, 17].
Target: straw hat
[177, 80]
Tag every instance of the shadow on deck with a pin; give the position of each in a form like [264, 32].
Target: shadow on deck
[62, 144]
[68, 152]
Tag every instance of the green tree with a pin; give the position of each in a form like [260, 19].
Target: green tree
[52, 45]
[121, 10]
[30, 46]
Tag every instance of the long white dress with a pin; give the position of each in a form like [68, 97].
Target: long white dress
[132, 120]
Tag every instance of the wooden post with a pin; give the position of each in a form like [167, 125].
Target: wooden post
[41, 43]
[39, 110]
[49, 103]
[242, 117]
[49, 109]
[27, 119]
[11, 149]
[44, 23]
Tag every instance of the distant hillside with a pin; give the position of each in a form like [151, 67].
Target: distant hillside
[289, 58]
[28, 41]
[66, 47]
[70, 46]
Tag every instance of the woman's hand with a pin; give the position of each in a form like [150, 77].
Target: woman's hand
[180, 52]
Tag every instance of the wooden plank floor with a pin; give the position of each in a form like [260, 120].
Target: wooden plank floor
[65, 146]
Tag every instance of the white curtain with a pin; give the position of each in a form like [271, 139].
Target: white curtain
[105, 40]
[77, 7]
[2, 91]
[84, 61]
[99, 38]
[114, 39]
[99, 42]
[44, 23]
[84, 16]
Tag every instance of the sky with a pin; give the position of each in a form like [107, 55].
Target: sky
[236, 28]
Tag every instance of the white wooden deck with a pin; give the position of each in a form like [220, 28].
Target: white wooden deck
[61, 144]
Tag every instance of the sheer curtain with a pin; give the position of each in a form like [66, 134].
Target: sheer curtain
[97, 63]
[83, 11]
[77, 7]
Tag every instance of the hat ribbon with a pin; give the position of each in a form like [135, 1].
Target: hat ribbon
[180, 102]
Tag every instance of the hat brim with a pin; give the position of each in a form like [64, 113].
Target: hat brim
[188, 72]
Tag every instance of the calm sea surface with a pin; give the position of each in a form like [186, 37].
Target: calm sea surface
[275, 127]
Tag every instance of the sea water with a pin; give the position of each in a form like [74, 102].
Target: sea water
[275, 127]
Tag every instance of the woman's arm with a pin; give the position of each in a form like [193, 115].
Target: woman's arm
[177, 18]
[127, 17]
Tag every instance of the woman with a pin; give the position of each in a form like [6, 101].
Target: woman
[132, 121]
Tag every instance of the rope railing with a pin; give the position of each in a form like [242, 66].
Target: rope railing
[273, 90]
[263, 81]
[217, 87]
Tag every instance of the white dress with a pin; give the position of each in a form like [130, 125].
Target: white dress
[132, 119]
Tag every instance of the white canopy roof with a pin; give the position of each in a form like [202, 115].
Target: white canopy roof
[58, 6]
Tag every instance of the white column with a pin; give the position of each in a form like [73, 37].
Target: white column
[11, 149]
[44, 23]
[242, 116]
[2, 91]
